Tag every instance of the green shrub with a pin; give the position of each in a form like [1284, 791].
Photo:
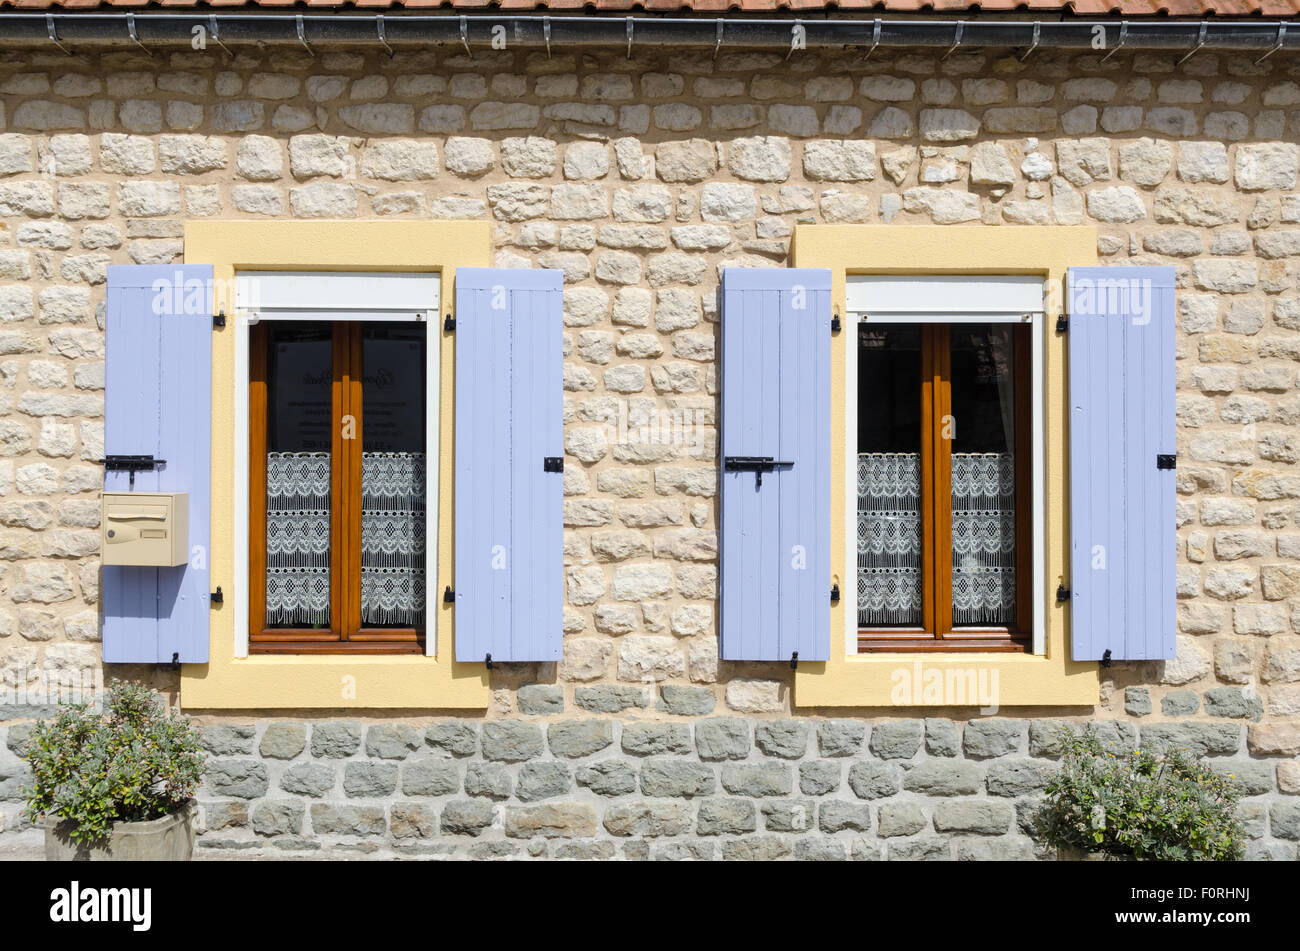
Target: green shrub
[1166, 808]
[131, 763]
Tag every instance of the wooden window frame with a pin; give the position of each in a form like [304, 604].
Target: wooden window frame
[937, 632]
[346, 634]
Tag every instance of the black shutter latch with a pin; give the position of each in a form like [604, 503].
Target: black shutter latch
[552, 463]
[219, 319]
[1105, 658]
[1062, 323]
[1062, 594]
[1166, 460]
[449, 323]
[448, 595]
[835, 324]
[794, 661]
[488, 660]
[217, 596]
[835, 594]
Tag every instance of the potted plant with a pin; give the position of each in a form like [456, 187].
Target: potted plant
[1136, 805]
[117, 784]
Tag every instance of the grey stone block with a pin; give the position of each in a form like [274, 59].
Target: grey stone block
[757, 848]
[1180, 703]
[897, 740]
[227, 740]
[1233, 702]
[609, 777]
[510, 741]
[1198, 739]
[610, 698]
[985, 816]
[552, 820]
[392, 740]
[789, 815]
[335, 740]
[1253, 777]
[278, 818]
[648, 818]
[900, 818]
[920, 849]
[836, 815]
[1284, 819]
[466, 817]
[686, 701]
[458, 739]
[942, 738]
[819, 777]
[430, 777]
[1002, 848]
[985, 739]
[941, 778]
[369, 780]
[308, 779]
[651, 739]
[819, 849]
[786, 739]
[687, 851]
[871, 780]
[543, 780]
[675, 777]
[283, 741]
[412, 820]
[757, 779]
[577, 738]
[840, 737]
[540, 699]
[1018, 777]
[1137, 701]
[489, 780]
[329, 819]
[726, 817]
[722, 738]
[224, 815]
[238, 778]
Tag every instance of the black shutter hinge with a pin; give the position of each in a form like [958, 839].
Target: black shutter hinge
[488, 660]
[217, 596]
[835, 324]
[219, 319]
[1166, 460]
[449, 323]
[794, 661]
[1062, 594]
[1105, 658]
[552, 463]
[835, 594]
[448, 596]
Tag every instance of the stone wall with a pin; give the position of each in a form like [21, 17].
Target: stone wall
[639, 179]
[683, 788]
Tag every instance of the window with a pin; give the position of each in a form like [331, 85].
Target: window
[338, 466]
[338, 459]
[942, 454]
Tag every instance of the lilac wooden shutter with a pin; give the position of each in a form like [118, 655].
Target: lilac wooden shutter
[509, 545]
[775, 524]
[1121, 343]
[158, 402]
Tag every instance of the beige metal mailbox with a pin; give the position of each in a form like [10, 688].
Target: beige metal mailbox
[145, 528]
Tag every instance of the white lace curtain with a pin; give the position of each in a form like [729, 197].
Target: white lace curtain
[298, 539]
[889, 539]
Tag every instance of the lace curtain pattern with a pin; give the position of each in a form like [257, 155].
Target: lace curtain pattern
[983, 538]
[297, 539]
[392, 538]
[889, 539]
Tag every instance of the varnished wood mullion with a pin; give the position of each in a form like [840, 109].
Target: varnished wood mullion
[351, 503]
[1024, 494]
[257, 426]
[928, 595]
[338, 480]
[943, 420]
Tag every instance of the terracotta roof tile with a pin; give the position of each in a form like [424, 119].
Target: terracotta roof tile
[1084, 8]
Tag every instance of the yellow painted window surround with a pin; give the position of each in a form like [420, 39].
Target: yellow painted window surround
[294, 682]
[851, 680]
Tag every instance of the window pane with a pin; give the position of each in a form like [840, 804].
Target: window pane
[392, 475]
[983, 475]
[298, 442]
[889, 476]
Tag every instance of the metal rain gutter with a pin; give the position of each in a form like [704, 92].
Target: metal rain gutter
[73, 31]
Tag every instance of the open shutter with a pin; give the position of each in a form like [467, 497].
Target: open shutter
[775, 520]
[158, 402]
[1121, 343]
[509, 546]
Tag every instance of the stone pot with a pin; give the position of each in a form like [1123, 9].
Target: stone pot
[1070, 854]
[169, 839]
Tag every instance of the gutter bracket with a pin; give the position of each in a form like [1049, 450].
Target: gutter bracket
[794, 33]
[464, 36]
[717, 43]
[54, 34]
[956, 41]
[1281, 38]
[302, 34]
[216, 35]
[1200, 41]
[135, 37]
[875, 40]
[546, 34]
[1123, 38]
[1034, 44]
[630, 27]
[383, 39]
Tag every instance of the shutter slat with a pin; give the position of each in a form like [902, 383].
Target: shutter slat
[158, 401]
[775, 538]
[509, 416]
[1122, 526]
